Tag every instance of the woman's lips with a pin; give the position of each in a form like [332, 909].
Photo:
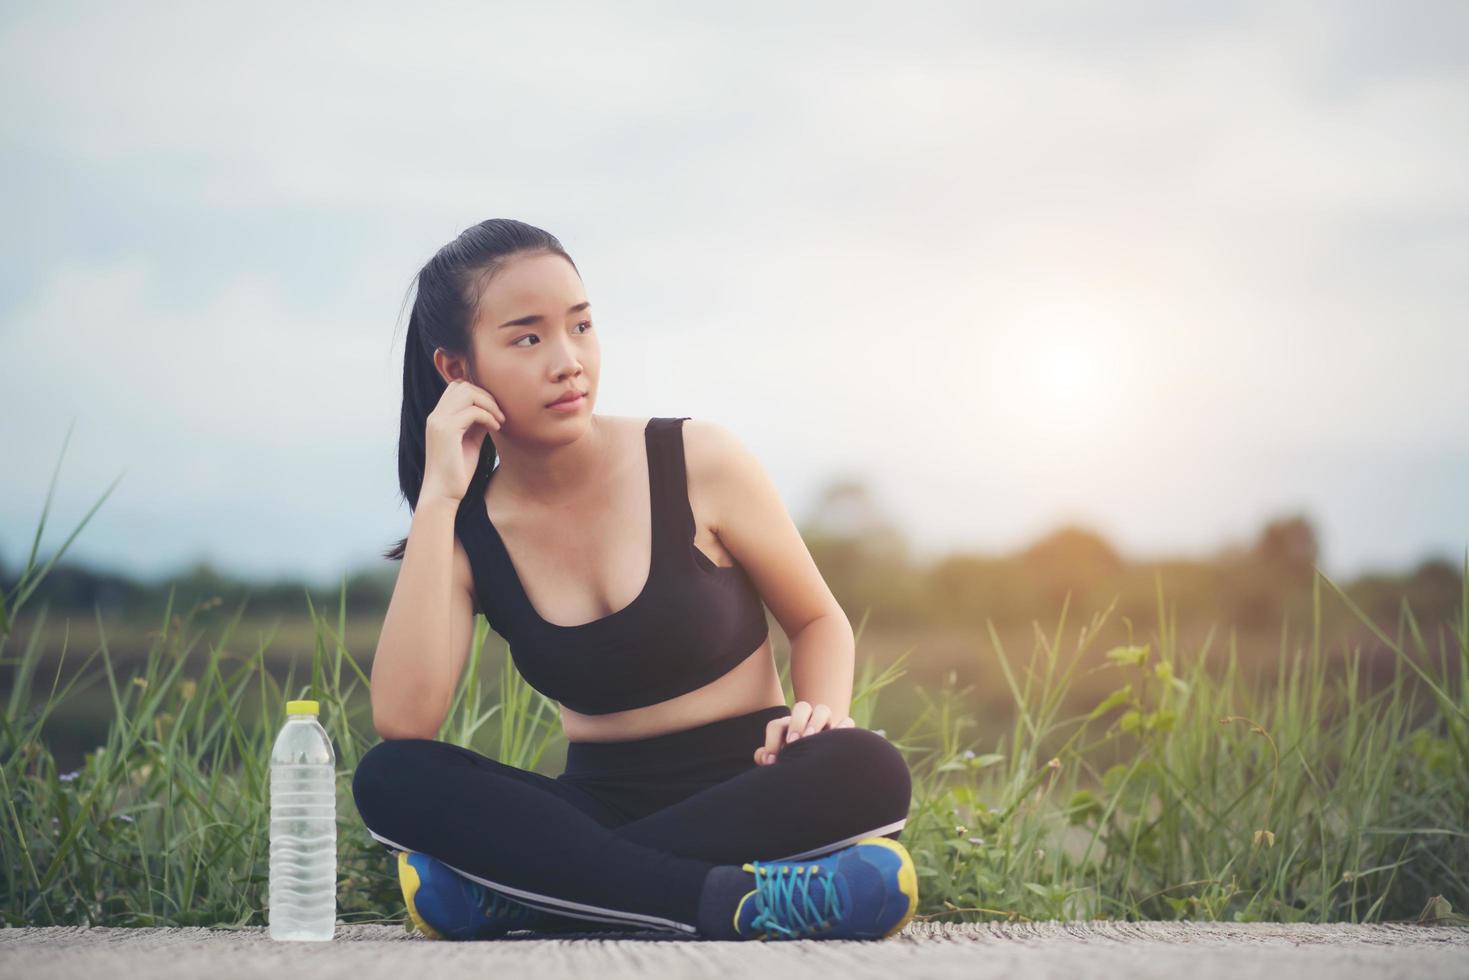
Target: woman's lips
[570, 405]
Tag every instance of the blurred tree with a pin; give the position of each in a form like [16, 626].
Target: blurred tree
[1289, 543]
[969, 589]
[1436, 574]
[1435, 583]
[1271, 578]
[1072, 559]
[847, 510]
[861, 553]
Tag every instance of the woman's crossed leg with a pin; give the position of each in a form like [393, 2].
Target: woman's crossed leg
[563, 848]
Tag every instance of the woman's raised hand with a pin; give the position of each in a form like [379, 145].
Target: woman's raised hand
[453, 435]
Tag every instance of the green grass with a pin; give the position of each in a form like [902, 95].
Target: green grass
[1192, 791]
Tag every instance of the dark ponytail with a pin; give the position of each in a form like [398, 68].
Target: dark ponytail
[448, 292]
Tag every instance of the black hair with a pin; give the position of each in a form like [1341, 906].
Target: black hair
[449, 287]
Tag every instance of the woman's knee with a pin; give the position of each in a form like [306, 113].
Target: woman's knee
[866, 758]
[384, 775]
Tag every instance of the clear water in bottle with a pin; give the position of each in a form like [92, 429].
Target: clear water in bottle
[303, 828]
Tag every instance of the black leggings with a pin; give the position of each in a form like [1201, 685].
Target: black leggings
[628, 832]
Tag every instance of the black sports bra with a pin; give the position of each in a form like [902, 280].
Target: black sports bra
[693, 622]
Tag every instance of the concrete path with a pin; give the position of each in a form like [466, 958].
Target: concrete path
[1066, 951]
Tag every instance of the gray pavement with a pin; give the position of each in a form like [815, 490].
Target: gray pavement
[1198, 951]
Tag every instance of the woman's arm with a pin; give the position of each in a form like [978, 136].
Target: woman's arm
[426, 634]
[754, 526]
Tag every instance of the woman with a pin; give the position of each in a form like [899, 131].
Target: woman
[625, 561]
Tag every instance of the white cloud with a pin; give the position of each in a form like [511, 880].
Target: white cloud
[245, 426]
[244, 367]
[340, 106]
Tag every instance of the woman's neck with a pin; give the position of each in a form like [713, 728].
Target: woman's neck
[557, 472]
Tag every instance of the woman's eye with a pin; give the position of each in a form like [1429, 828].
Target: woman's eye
[586, 323]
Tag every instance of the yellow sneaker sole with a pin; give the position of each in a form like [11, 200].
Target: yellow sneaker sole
[907, 879]
[408, 880]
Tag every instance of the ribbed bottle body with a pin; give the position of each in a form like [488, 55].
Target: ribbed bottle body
[303, 832]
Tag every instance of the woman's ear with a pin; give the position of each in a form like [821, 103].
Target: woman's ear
[449, 366]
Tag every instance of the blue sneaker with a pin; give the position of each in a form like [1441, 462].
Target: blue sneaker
[446, 905]
[866, 891]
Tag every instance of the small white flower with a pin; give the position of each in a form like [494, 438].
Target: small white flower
[968, 753]
[67, 777]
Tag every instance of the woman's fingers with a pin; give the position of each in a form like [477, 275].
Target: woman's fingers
[820, 715]
[774, 735]
[800, 716]
[804, 719]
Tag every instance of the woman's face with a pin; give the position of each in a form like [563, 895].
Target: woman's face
[532, 340]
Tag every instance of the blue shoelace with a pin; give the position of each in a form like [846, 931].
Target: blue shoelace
[776, 900]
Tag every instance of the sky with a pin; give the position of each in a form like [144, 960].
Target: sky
[1165, 270]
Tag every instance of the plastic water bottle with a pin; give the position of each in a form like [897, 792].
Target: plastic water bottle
[303, 828]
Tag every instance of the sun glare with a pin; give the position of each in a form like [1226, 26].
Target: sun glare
[1063, 370]
[1069, 375]
[1065, 367]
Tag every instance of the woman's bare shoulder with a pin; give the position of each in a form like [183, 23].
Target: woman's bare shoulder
[705, 443]
[710, 450]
